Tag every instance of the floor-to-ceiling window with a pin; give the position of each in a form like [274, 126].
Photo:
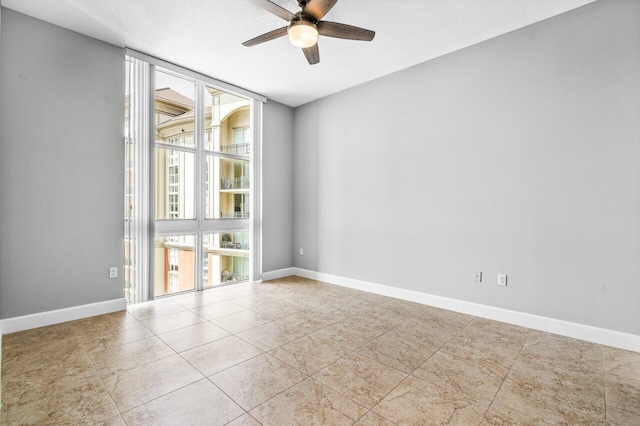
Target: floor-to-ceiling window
[194, 145]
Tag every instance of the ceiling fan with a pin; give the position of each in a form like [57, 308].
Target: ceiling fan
[305, 27]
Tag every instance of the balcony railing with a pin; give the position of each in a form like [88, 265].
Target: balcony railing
[232, 245]
[236, 149]
[232, 276]
[237, 183]
[235, 215]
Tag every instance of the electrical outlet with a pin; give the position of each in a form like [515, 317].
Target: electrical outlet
[477, 276]
[301, 251]
[113, 272]
[502, 279]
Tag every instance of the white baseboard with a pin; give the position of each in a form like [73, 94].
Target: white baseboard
[601, 336]
[41, 319]
[280, 273]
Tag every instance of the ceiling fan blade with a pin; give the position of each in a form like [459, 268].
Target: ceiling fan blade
[313, 54]
[271, 35]
[349, 32]
[318, 8]
[274, 8]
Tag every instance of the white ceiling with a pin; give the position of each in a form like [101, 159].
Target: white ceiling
[206, 36]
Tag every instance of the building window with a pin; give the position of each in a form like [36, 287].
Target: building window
[199, 182]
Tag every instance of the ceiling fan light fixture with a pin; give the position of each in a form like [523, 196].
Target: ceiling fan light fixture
[303, 33]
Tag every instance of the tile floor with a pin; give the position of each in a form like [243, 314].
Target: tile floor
[301, 352]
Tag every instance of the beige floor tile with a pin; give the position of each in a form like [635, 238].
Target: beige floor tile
[130, 355]
[308, 403]
[623, 393]
[617, 417]
[245, 420]
[529, 403]
[564, 352]
[197, 299]
[170, 322]
[501, 417]
[622, 363]
[492, 346]
[397, 351]
[62, 374]
[353, 332]
[270, 336]
[220, 355]
[217, 310]
[448, 321]
[113, 336]
[113, 421]
[423, 334]
[200, 403]
[361, 379]
[255, 381]
[147, 310]
[463, 373]
[17, 360]
[88, 404]
[233, 291]
[574, 385]
[373, 419]
[416, 402]
[193, 336]
[310, 354]
[140, 385]
[241, 321]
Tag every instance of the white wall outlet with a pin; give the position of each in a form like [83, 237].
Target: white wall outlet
[477, 276]
[502, 279]
[113, 272]
[301, 251]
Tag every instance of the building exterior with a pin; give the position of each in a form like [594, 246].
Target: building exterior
[225, 190]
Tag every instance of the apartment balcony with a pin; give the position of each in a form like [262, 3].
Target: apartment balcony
[234, 215]
[235, 185]
[236, 149]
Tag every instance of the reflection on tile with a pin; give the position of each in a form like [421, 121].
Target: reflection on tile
[130, 355]
[241, 321]
[147, 310]
[198, 403]
[310, 353]
[191, 337]
[196, 299]
[110, 337]
[622, 363]
[220, 355]
[623, 393]
[87, 404]
[373, 419]
[418, 402]
[360, 378]
[172, 322]
[142, 384]
[308, 403]
[245, 420]
[254, 381]
[217, 310]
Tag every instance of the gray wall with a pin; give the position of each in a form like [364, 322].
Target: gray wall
[277, 187]
[520, 155]
[61, 167]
